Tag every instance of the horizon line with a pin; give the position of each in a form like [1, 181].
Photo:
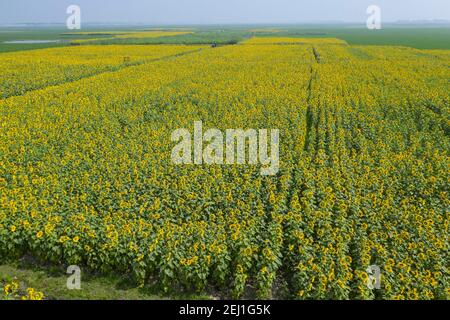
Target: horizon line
[316, 22]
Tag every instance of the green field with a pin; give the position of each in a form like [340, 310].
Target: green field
[413, 36]
[430, 37]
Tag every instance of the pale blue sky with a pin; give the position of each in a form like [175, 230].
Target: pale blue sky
[220, 11]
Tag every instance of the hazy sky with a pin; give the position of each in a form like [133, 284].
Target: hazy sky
[220, 11]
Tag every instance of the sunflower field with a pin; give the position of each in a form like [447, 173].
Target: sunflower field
[86, 176]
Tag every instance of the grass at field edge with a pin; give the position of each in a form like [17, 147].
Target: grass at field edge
[52, 281]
